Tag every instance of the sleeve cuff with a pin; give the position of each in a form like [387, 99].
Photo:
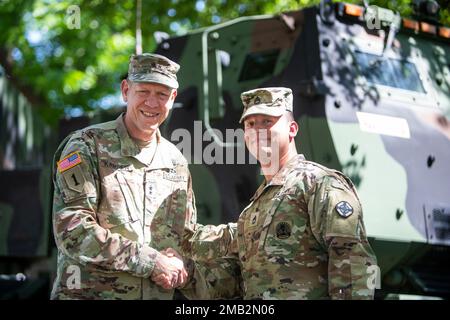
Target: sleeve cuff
[143, 263]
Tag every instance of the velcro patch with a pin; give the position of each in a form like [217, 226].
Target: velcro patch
[75, 179]
[254, 218]
[68, 162]
[344, 209]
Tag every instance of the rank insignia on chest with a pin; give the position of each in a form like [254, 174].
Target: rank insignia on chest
[344, 209]
[254, 218]
[283, 230]
[151, 193]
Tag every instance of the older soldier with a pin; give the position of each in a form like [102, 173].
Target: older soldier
[302, 236]
[122, 194]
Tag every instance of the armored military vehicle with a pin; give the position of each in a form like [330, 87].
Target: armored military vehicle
[371, 95]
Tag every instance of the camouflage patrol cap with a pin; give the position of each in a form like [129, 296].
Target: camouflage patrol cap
[150, 67]
[270, 101]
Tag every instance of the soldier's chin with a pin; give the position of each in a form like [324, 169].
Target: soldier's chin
[148, 128]
[151, 125]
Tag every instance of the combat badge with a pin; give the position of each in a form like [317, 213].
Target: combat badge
[344, 209]
[283, 230]
[254, 218]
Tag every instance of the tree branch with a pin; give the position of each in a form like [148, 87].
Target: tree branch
[7, 64]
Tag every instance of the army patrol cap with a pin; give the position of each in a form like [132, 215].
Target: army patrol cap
[270, 101]
[149, 67]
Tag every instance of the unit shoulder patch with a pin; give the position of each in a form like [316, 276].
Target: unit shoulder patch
[344, 209]
[75, 179]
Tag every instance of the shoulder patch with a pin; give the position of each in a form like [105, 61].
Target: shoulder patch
[68, 162]
[344, 209]
[75, 179]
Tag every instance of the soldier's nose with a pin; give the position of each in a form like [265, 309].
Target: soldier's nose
[151, 101]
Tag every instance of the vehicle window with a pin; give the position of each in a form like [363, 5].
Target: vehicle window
[259, 64]
[389, 72]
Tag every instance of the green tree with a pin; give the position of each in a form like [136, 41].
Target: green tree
[60, 67]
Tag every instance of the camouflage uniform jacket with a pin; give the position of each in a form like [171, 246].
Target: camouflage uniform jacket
[113, 209]
[292, 241]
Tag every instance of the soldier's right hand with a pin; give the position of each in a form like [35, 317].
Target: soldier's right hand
[169, 272]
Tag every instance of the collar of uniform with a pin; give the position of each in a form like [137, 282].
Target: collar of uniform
[259, 191]
[127, 145]
[280, 177]
[161, 158]
[129, 148]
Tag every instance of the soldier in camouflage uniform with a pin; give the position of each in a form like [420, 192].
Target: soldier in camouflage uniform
[122, 194]
[302, 236]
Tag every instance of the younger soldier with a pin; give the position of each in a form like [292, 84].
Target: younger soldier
[302, 236]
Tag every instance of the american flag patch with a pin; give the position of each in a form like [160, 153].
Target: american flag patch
[69, 162]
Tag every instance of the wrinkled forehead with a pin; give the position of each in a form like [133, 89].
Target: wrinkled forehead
[150, 86]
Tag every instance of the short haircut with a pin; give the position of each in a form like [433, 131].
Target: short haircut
[289, 116]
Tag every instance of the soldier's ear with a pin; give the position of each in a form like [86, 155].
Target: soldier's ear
[124, 87]
[293, 129]
[174, 94]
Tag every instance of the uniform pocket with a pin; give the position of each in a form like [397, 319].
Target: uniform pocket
[158, 194]
[343, 213]
[365, 276]
[119, 197]
[286, 229]
[76, 183]
[131, 195]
